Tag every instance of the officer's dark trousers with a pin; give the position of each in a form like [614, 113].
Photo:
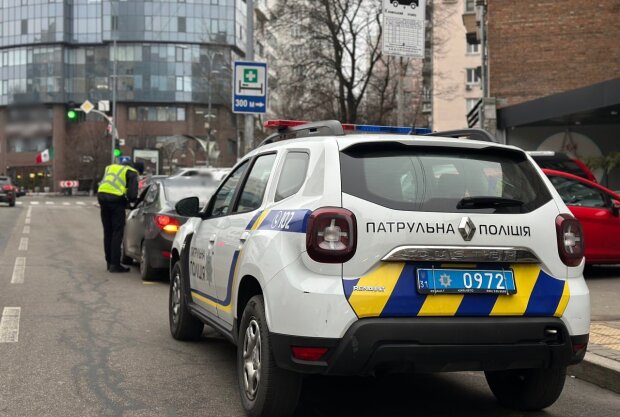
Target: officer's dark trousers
[113, 220]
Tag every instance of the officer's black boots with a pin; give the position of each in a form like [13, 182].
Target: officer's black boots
[118, 269]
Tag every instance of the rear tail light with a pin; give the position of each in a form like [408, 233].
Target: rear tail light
[304, 353]
[7, 187]
[331, 236]
[167, 224]
[570, 239]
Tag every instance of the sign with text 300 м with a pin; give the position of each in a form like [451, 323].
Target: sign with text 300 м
[250, 87]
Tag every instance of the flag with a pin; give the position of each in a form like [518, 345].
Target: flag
[45, 156]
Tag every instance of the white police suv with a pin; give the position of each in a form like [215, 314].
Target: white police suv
[358, 254]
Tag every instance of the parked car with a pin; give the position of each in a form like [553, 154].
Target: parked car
[7, 191]
[598, 210]
[561, 162]
[152, 224]
[216, 173]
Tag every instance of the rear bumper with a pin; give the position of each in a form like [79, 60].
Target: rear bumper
[437, 345]
[7, 198]
[156, 247]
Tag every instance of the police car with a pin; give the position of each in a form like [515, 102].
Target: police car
[325, 252]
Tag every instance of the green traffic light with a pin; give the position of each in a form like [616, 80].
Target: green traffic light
[72, 115]
[117, 153]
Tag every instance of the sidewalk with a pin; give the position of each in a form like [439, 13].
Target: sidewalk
[601, 365]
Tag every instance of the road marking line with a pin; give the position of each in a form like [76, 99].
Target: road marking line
[19, 203]
[27, 221]
[26, 230]
[29, 212]
[9, 325]
[19, 271]
[66, 204]
[80, 203]
[49, 203]
[23, 244]
[34, 203]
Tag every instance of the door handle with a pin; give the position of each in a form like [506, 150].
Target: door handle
[244, 236]
[212, 239]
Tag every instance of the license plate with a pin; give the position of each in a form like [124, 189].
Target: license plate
[466, 281]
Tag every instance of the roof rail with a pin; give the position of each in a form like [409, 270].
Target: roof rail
[323, 128]
[474, 134]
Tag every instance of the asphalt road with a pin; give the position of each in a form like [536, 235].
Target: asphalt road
[92, 343]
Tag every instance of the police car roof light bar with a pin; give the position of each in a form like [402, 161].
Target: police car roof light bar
[474, 134]
[295, 129]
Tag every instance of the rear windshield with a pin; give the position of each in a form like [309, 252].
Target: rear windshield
[435, 179]
[178, 190]
[5, 181]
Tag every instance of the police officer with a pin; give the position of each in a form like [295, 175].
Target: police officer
[118, 188]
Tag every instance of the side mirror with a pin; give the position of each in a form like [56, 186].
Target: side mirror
[188, 207]
[615, 208]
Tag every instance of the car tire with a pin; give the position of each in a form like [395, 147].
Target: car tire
[147, 273]
[269, 391]
[183, 325]
[527, 389]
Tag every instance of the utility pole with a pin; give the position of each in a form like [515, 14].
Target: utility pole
[400, 119]
[249, 54]
[114, 78]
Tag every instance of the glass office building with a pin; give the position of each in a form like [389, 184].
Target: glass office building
[172, 57]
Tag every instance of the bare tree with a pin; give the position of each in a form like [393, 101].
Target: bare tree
[88, 152]
[331, 53]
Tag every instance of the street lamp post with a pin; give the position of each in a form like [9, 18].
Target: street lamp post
[209, 116]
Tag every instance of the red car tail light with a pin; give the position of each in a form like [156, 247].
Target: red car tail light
[570, 239]
[331, 236]
[167, 223]
[7, 187]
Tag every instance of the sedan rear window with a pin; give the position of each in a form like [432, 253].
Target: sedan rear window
[402, 177]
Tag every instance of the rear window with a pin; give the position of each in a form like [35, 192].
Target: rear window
[5, 181]
[178, 190]
[435, 179]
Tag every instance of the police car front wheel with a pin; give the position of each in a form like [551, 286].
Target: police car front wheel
[265, 389]
[527, 389]
[183, 326]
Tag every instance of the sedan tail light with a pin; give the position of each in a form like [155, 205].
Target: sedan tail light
[570, 239]
[167, 224]
[7, 187]
[331, 236]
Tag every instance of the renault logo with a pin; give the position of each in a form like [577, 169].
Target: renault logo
[467, 228]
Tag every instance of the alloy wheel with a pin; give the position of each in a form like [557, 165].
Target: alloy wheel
[252, 359]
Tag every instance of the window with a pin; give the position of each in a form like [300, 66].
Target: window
[403, 178]
[471, 103]
[182, 24]
[576, 193]
[224, 196]
[470, 6]
[254, 188]
[473, 48]
[473, 76]
[293, 174]
[24, 26]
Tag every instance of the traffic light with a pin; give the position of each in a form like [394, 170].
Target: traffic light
[117, 148]
[73, 115]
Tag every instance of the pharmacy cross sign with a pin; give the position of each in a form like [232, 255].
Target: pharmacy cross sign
[250, 87]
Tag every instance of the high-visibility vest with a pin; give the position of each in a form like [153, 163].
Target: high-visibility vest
[115, 180]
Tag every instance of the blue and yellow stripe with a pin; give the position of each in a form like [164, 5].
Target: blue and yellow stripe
[538, 294]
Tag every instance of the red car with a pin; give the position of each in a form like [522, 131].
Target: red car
[598, 210]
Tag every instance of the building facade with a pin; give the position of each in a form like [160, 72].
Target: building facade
[553, 74]
[456, 66]
[172, 62]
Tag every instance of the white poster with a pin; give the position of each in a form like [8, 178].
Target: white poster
[403, 27]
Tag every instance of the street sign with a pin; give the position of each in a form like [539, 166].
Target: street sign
[87, 106]
[104, 105]
[403, 27]
[250, 87]
[69, 184]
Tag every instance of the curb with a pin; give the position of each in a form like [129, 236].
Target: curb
[598, 370]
